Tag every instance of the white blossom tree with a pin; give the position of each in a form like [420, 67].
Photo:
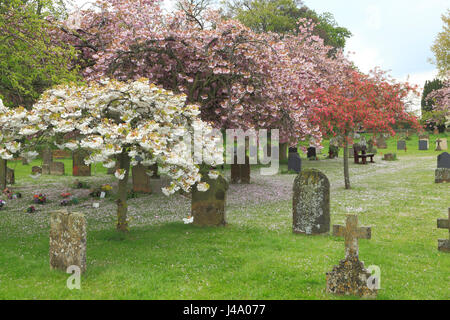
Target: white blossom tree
[123, 124]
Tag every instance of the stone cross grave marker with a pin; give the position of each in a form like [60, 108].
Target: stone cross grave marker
[441, 144]
[351, 234]
[350, 277]
[444, 244]
[311, 203]
[67, 240]
[294, 160]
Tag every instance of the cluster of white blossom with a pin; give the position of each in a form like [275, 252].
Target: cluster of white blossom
[150, 124]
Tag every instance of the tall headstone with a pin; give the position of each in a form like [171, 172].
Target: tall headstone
[208, 207]
[10, 179]
[141, 180]
[311, 203]
[294, 160]
[423, 144]
[47, 159]
[401, 145]
[350, 277]
[67, 240]
[79, 168]
[442, 173]
[444, 244]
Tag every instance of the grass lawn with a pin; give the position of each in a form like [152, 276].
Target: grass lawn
[256, 256]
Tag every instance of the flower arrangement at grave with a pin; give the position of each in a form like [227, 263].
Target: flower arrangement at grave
[40, 198]
[120, 122]
[65, 195]
[2, 203]
[30, 209]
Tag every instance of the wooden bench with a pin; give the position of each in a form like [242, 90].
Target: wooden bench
[363, 156]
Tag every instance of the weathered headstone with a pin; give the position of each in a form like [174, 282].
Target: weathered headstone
[441, 144]
[57, 168]
[67, 240]
[240, 173]
[442, 173]
[294, 160]
[79, 168]
[10, 179]
[444, 244]
[423, 145]
[311, 203]
[401, 145]
[47, 159]
[389, 157]
[208, 208]
[311, 153]
[381, 143]
[141, 180]
[350, 277]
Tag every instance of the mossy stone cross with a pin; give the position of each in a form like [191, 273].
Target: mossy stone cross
[352, 233]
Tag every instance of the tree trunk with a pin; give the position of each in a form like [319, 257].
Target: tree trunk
[346, 172]
[122, 207]
[3, 173]
[283, 152]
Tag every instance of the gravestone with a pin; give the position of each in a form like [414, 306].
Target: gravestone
[401, 145]
[350, 277]
[381, 143]
[57, 168]
[79, 168]
[333, 152]
[10, 179]
[444, 244]
[311, 203]
[311, 153]
[141, 180]
[423, 145]
[351, 152]
[154, 169]
[441, 144]
[36, 170]
[388, 157]
[240, 173]
[442, 173]
[208, 208]
[294, 160]
[47, 159]
[67, 240]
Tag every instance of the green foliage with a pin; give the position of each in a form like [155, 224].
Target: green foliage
[441, 47]
[281, 16]
[30, 60]
[427, 104]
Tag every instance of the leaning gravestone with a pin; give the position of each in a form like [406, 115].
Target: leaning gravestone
[79, 168]
[67, 240]
[311, 203]
[208, 208]
[444, 244]
[294, 160]
[141, 180]
[401, 145]
[423, 145]
[57, 168]
[10, 179]
[442, 173]
[350, 277]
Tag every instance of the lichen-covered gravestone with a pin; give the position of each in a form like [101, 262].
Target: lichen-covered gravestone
[79, 168]
[444, 244]
[294, 160]
[311, 203]
[67, 240]
[141, 179]
[442, 173]
[350, 277]
[208, 208]
[57, 168]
